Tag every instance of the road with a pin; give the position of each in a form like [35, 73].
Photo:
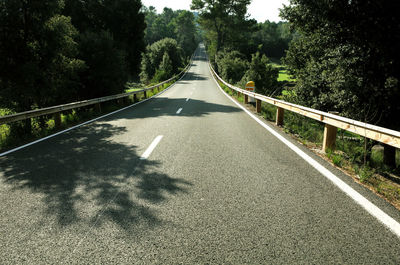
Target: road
[215, 188]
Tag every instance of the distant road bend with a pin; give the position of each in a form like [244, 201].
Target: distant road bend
[186, 177]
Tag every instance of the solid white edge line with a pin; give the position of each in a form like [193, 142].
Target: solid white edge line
[151, 147]
[90, 121]
[179, 111]
[371, 208]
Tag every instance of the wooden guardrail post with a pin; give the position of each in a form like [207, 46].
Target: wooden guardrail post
[258, 105]
[57, 120]
[246, 99]
[329, 137]
[98, 107]
[280, 112]
[145, 94]
[135, 98]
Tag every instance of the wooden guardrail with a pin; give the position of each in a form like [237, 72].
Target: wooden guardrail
[58, 109]
[332, 122]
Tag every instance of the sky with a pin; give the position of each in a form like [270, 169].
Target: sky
[261, 10]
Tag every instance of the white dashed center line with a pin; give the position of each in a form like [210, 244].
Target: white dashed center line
[179, 111]
[150, 149]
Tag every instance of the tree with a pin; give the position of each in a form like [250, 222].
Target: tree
[38, 65]
[155, 54]
[224, 21]
[111, 43]
[185, 30]
[274, 37]
[262, 74]
[125, 20]
[231, 65]
[160, 26]
[165, 70]
[107, 71]
[346, 58]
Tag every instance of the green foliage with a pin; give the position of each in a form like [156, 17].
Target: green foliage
[159, 26]
[179, 25]
[224, 22]
[346, 57]
[271, 39]
[268, 111]
[166, 65]
[36, 45]
[262, 73]
[336, 158]
[165, 71]
[231, 65]
[111, 42]
[185, 30]
[164, 50]
[106, 72]
[365, 173]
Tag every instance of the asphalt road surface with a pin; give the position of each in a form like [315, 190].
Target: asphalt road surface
[214, 188]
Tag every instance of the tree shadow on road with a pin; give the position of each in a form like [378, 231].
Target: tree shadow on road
[87, 178]
[84, 177]
[162, 106]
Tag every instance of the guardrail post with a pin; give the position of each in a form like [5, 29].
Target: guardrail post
[98, 107]
[246, 99]
[258, 105]
[135, 98]
[57, 120]
[280, 112]
[145, 94]
[329, 137]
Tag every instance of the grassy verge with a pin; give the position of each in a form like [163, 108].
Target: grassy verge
[45, 125]
[283, 73]
[348, 155]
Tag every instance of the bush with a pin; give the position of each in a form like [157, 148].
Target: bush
[231, 65]
[262, 73]
[156, 54]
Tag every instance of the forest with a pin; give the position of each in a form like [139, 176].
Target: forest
[55, 52]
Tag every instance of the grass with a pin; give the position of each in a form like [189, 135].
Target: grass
[68, 119]
[133, 86]
[284, 76]
[283, 73]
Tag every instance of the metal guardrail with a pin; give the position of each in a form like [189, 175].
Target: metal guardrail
[332, 121]
[56, 109]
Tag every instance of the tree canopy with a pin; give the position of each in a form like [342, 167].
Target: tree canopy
[225, 22]
[346, 57]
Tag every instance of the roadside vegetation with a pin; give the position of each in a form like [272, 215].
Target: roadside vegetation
[350, 154]
[68, 119]
[337, 56]
[57, 52]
